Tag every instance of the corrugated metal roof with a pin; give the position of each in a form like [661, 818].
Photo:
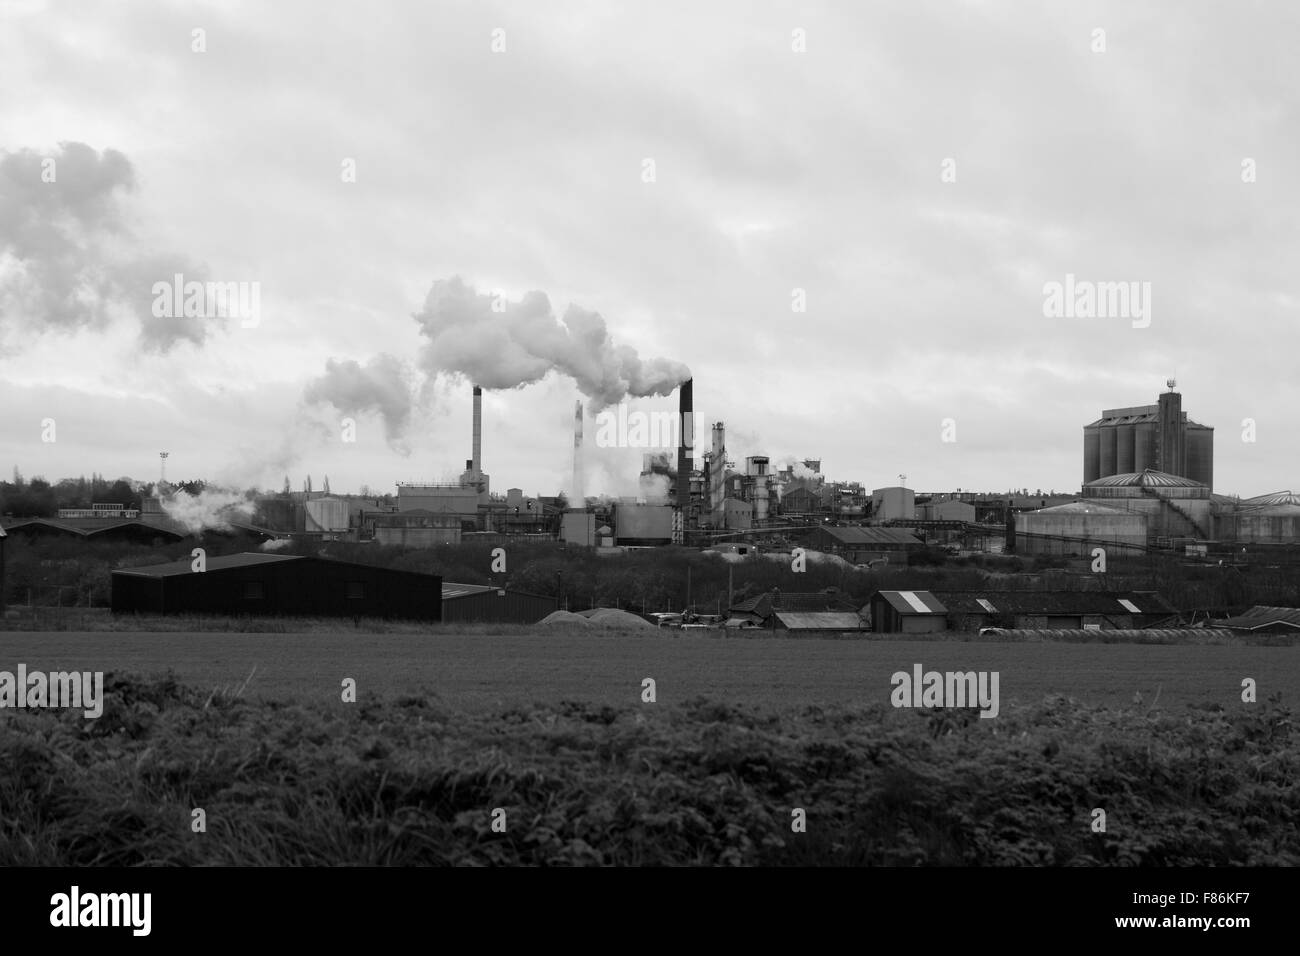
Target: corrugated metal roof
[820, 620]
[1263, 616]
[86, 527]
[763, 604]
[1055, 602]
[913, 602]
[1275, 498]
[218, 563]
[450, 590]
[1152, 635]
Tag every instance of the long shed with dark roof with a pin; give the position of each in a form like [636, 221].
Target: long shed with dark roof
[277, 584]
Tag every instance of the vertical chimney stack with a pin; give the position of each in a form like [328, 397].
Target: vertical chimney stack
[578, 499]
[685, 410]
[477, 466]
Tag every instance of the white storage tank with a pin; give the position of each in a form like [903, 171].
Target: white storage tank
[328, 515]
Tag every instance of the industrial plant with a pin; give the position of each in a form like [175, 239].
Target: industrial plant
[1147, 489]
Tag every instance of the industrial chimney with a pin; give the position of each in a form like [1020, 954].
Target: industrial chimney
[685, 409]
[578, 499]
[477, 466]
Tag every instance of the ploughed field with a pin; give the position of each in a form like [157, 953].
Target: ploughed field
[486, 671]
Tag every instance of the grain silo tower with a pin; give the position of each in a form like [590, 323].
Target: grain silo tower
[1158, 437]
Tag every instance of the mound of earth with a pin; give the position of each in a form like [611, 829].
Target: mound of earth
[565, 617]
[613, 617]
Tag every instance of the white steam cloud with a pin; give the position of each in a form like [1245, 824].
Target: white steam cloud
[498, 344]
[382, 385]
[209, 509]
[67, 257]
[501, 344]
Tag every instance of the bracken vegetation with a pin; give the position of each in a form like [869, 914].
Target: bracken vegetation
[409, 781]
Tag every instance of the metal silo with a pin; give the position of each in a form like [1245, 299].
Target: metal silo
[1124, 449]
[1107, 456]
[1200, 453]
[1091, 453]
[1144, 446]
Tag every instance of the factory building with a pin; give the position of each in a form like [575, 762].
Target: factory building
[801, 501]
[461, 498]
[950, 510]
[894, 503]
[862, 545]
[1156, 437]
[277, 584]
[642, 525]
[411, 529]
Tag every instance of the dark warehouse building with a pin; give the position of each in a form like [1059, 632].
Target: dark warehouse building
[468, 603]
[277, 584]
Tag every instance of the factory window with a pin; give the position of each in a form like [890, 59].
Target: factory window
[253, 591]
[356, 590]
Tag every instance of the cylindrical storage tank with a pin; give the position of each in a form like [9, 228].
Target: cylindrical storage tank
[1123, 449]
[1144, 446]
[1107, 455]
[1200, 455]
[327, 515]
[1091, 453]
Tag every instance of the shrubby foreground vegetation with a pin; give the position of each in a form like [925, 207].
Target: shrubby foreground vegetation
[409, 781]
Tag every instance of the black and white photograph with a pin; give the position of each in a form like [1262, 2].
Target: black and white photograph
[860, 437]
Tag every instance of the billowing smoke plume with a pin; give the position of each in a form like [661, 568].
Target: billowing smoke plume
[495, 344]
[68, 260]
[501, 344]
[209, 509]
[382, 385]
[658, 463]
[275, 544]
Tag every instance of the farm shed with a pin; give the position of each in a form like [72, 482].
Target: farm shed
[907, 612]
[466, 603]
[1056, 610]
[1148, 635]
[806, 621]
[1265, 620]
[277, 584]
[760, 610]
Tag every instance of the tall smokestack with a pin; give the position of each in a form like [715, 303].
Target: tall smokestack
[578, 499]
[685, 409]
[477, 466]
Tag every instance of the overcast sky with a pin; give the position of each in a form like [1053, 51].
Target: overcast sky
[920, 171]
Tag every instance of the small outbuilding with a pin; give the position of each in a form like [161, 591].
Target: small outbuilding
[907, 612]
